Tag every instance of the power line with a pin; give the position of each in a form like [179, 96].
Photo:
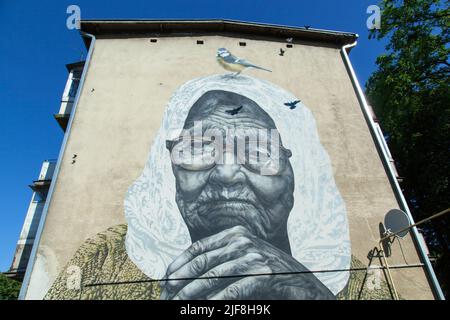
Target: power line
[403, 266]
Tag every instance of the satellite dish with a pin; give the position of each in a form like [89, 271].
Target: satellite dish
[396, 220]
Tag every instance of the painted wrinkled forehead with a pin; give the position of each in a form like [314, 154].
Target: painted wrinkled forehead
[228, 109]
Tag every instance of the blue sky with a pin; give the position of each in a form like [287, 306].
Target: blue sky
[35, 46]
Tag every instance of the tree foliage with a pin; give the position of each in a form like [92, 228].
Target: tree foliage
[9, 289]
[410, 93]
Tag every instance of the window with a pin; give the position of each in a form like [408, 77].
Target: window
[75, 83]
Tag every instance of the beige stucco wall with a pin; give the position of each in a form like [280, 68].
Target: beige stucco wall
[128, 84]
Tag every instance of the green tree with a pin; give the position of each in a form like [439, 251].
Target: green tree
[410, 93]
[9, 289]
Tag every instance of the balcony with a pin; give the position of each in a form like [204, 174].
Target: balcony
[32, 220]
[69, 94]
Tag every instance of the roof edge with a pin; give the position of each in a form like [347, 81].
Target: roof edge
[214, 26]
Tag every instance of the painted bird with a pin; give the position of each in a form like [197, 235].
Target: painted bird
[292, 105]
[231, 63]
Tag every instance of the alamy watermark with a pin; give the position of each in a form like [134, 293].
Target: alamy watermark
[374, 20]
[73, 20]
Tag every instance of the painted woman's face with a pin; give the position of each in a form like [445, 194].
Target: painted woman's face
[249, 184]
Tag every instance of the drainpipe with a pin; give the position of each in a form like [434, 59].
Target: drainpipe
[32, 260]
[437, 291]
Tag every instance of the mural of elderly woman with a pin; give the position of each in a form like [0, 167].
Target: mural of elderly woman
[196, 217]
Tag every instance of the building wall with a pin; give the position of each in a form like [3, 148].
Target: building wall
[128, 85]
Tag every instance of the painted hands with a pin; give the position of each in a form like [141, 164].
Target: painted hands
[234, 252]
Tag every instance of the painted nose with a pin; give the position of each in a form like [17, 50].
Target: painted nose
[227, 174]
[228, 170]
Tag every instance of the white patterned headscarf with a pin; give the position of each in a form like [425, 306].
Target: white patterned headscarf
[317, 226]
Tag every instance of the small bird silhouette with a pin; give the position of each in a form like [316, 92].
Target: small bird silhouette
[281, 52]
[234, 111]
[289, 40]
[293, 104]
[232, 63]
[307, 27]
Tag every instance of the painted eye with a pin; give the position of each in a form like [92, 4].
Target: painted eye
[198, 156]
[198, 163]
[261, 161]
[196, 150]
[257, 155]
